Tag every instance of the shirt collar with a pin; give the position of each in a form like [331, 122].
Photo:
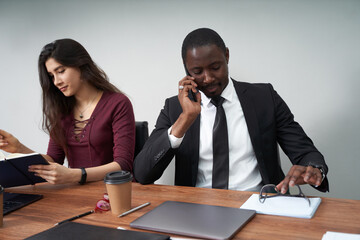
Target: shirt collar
[227, 93]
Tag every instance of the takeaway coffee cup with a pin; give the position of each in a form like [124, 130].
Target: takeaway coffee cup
[1, 205]
[118, 187]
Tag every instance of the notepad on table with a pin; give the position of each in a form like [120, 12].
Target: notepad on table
[338, 235]
[283, 206]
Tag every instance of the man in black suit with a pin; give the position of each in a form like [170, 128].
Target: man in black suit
[256, 120]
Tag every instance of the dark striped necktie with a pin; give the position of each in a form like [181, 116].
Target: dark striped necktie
[220, 174]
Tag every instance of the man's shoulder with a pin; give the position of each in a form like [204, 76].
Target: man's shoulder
[174, 100]
[172, 106]
[255, 88]
[250, 85]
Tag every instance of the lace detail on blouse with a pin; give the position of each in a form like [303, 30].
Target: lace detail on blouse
[79, 127]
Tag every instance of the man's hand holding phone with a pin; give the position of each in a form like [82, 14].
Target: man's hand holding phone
[187, 87]
[189, 104]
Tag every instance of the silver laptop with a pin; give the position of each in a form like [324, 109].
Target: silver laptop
[195, 220]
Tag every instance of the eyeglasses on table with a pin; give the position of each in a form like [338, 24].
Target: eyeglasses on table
[271, 188]
[103, 204]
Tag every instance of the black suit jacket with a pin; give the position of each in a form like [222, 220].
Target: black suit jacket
[269, 121]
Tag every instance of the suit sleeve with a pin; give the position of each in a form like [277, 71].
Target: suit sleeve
[157, 153]
[294, 141]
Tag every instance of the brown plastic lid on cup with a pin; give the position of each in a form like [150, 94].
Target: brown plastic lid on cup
[118, 177]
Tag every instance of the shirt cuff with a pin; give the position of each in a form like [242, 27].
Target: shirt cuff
[174, 141]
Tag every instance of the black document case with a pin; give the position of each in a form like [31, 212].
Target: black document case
[73, 230]
[195, 220]
[14, 172]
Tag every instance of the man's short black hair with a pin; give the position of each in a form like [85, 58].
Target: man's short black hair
[201, 37]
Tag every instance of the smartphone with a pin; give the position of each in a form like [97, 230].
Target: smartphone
[191, 95]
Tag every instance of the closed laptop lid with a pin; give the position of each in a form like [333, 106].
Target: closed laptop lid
[195, 220]
[14, 201]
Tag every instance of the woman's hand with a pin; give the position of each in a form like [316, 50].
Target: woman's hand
[11, 144]
[56, 173]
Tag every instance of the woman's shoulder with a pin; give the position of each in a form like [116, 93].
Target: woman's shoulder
[115, 99]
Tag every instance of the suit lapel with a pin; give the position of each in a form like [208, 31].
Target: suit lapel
[194, 148]
[249, 111]
[251, 119]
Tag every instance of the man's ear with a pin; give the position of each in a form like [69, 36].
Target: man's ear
[227, 55]
[186, 70]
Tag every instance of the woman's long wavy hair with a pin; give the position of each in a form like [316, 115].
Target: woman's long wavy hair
[68, 53]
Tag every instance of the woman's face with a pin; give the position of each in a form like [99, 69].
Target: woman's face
[66, 79]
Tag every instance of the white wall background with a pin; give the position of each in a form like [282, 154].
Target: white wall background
[308, 49]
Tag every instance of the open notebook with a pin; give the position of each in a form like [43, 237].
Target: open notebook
[14, 170]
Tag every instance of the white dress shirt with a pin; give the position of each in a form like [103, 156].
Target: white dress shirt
[244, 173]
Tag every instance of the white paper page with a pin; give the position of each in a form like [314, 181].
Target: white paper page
[17, 155]
[283, 206]
[343, 236]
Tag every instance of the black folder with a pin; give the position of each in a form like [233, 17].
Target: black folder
[14, 172]
[73, 230]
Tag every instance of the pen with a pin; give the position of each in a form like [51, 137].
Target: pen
[134, 209]
[76, 217]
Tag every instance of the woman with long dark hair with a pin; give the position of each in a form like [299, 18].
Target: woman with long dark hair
[90, 121]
